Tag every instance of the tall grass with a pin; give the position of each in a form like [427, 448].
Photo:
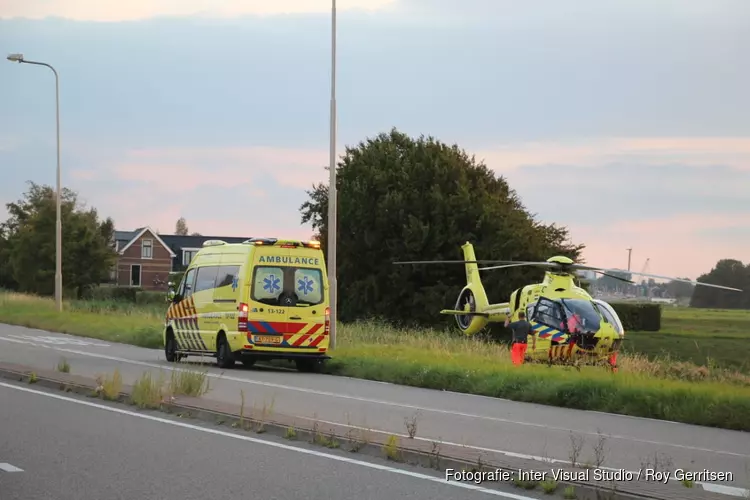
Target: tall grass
[648, 386]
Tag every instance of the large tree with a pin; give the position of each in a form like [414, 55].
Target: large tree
[726, 272]
[29, 242]
[401, 198]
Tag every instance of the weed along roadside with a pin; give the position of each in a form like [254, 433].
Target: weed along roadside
[453, 462]
[681, 392]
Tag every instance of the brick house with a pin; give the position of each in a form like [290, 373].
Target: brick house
[145, 258]
[185, 247]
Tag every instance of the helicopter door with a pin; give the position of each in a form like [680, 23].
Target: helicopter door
[546, 312]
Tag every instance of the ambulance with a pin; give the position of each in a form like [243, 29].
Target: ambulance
[261, 299]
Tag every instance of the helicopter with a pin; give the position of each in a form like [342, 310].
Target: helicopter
[569, 326]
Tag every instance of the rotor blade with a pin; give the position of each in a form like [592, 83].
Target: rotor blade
[461, 262]
[693, 282]
[613, 276]
[535, 264]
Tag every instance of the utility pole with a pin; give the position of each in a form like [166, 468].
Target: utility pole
[332, 226]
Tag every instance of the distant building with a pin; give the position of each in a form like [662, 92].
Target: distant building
[145, 259]
[586, 274]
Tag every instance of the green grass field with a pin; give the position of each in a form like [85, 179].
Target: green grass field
[707, 337]
[647, 385]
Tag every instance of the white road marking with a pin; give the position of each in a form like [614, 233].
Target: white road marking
[453, 393]
[714, 487]
[9, 468]
[282, 446]
[16, 340]
[50, 339]
[726, 490]
[399, 405]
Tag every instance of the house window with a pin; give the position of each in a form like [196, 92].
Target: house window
[187, 255]
[135, 275]
[147, 249]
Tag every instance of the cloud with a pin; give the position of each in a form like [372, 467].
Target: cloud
[599, 117]
[668, 212]
[676, 246]
[682, 202]
[268, 209]
[614, 179]
[93, 10]
[187, 169]
[236, 191]
[595, 151]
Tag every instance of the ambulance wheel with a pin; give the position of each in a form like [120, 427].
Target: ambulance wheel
[224, 357]
[170, 349]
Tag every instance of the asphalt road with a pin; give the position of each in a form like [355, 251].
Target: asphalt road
[58, 447]
[474, 421]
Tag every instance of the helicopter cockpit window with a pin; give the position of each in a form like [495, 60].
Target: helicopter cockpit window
[547, 312]
[608, 317]
[581, 315]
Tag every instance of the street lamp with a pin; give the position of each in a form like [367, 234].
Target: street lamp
[58, 237]
[332, 187]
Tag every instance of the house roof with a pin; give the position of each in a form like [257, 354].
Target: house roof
[140, 233]
[174, 243]
[177, 242]
[124, 236]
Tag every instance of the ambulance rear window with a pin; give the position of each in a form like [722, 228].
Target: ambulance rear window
[304, 285]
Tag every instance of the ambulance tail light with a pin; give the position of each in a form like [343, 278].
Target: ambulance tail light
[327, 329]
[242, 318]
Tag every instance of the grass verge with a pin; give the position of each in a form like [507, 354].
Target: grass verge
[645, 387]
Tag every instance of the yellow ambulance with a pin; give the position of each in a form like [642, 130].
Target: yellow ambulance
[264, 298]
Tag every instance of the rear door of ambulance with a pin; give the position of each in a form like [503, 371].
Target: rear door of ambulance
[266, 318]
[307, 317]
[288, 269]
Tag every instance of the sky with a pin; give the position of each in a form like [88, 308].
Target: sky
[628, 121]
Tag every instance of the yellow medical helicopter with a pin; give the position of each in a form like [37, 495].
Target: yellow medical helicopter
[569, 326]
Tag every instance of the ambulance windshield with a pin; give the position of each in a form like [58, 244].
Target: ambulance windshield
[287, 286]
[581, 316]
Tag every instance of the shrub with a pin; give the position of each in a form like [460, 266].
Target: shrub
[109, 293]
[639, 317]
[149, 298]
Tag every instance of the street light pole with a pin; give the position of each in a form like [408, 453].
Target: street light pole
[332, 188]
[58, 226]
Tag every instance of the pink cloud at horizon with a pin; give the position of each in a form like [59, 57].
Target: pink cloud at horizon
[697, 151]
[185, 168]
[673, 243]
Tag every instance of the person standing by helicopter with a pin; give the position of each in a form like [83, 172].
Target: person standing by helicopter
[521, 330]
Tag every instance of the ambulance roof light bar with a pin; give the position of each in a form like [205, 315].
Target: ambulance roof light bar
[261, 241]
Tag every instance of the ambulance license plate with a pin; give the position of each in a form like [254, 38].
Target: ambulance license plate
[267, 339]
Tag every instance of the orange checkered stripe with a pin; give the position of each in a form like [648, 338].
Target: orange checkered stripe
[184, 320]
[561, 351]
[294, 334]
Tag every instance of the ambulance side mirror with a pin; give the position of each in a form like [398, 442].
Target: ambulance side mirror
[171, 293]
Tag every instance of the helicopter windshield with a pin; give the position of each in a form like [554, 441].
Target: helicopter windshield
[581, 315]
